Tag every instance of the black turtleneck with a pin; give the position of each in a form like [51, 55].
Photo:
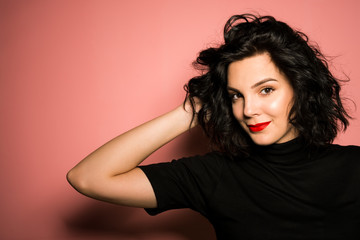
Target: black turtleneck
[287, 153]
[282, 191]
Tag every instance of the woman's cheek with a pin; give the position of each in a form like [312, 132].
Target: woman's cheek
[237, 111]
[277, 107]
[273, 107]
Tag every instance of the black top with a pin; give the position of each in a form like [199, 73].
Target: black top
[281, 191]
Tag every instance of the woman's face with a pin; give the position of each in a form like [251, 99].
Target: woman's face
[262, 98]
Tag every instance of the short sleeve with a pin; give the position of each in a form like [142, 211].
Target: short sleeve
[184, 183]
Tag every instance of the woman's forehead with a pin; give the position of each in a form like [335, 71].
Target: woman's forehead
[254, 71]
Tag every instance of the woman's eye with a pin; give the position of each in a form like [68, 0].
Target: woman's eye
[266, 91]
[235, 96]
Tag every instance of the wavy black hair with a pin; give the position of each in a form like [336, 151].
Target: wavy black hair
[317, 112]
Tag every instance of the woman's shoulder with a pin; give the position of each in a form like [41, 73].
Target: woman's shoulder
[344, 149]
[213, 155]
[344, 153]
[209, 163]
[211, 159]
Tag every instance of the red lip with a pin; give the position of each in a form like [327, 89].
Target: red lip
[258, 127]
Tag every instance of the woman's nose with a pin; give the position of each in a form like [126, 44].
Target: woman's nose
[251, 108]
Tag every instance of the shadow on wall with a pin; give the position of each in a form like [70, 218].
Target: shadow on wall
[108, 221]
[193, 142]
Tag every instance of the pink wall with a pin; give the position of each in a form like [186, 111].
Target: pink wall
[74, 74]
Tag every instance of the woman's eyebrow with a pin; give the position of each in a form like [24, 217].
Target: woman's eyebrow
[232, 89]
[263, 81]
[255, 85]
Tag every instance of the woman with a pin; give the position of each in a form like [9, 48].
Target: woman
[271, 108]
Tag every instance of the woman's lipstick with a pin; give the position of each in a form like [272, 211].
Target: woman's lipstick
[258, 127]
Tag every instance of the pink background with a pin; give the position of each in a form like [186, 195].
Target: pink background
[74, 74]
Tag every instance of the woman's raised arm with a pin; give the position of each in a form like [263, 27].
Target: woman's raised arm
[110, 173]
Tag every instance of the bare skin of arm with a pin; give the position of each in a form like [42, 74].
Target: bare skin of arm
[110, 173]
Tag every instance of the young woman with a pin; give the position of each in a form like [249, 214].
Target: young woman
[271, 109]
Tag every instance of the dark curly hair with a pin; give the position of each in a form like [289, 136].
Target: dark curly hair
[317, 112]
